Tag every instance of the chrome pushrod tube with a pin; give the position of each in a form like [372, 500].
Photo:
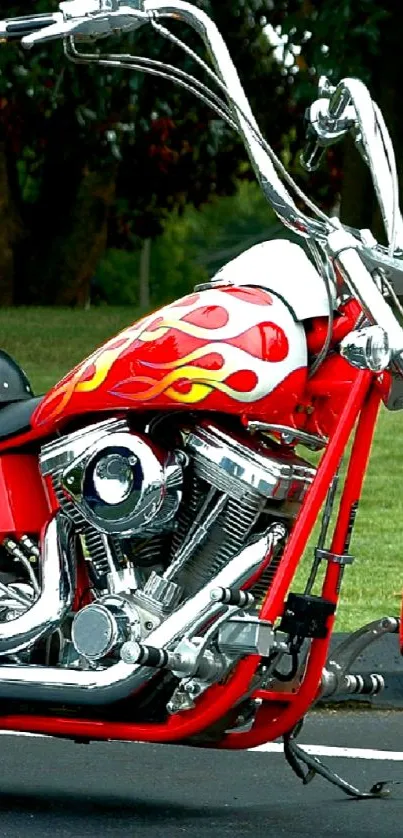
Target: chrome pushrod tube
[94, 687]
[274, 190]
[57, 590]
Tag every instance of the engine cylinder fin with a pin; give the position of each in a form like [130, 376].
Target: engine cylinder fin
[117, 549]
[227, 535]
[194, 495]
[262, 585]
[148, 553]
[210, 511]
[68, 507]
[95, 545]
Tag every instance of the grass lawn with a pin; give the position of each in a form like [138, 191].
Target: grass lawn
[48, 342]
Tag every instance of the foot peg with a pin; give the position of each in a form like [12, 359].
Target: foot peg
[336, 677]
[187, 659]
[364, 684]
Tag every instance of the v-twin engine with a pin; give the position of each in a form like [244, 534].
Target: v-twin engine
[161, 529]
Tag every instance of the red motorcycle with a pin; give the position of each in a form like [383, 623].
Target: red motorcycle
[154, 506]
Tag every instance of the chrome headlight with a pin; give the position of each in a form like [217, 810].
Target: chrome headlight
[367, 348]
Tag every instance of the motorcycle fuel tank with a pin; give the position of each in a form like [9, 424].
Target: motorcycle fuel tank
[234, 350]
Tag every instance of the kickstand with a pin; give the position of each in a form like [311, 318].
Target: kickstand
[297, 758]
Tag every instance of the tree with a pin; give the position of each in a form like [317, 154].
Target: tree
[90, 157]
[86, 153]
[361, 39]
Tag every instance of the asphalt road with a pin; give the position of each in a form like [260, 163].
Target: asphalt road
[57, 789]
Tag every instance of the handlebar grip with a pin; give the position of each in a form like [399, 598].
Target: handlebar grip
[17, 27]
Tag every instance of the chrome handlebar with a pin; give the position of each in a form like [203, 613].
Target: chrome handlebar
[348, 107]
[20, 26]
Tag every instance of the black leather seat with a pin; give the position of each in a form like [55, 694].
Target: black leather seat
[15, 418]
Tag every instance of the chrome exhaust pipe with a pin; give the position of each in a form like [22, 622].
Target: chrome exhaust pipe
[93, 687]
[56, 591]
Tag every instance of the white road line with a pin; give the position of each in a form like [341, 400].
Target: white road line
[23, 733]
[330, 751]
[277, 748]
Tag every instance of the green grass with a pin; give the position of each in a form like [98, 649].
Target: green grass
[49, 342]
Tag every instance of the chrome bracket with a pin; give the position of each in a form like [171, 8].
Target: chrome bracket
[289, 435]
[336, 558]
[244, 635]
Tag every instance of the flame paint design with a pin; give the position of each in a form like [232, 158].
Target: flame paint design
[203, 381]
[215, 342]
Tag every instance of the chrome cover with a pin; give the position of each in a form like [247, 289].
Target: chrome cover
[246, 635]
[130, 513]
[103, 626]
[58, 454]
[235, 467]
[87, 472]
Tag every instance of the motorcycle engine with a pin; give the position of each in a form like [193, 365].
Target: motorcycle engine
[155, 524]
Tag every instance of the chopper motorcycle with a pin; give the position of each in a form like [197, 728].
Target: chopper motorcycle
[156, 503]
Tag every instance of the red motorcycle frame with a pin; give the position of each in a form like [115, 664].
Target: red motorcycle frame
[264, 369]
[342, 395]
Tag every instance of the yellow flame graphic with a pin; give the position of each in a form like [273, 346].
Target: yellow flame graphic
[92, 373]
[203, 381]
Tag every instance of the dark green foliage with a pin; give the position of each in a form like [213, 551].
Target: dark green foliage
[91, 158]
[362, 39]
[194, 245]
[84, 144]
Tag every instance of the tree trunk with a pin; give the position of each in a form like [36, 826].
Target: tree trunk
[10, 232]
[66, 264]
[145, 274]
